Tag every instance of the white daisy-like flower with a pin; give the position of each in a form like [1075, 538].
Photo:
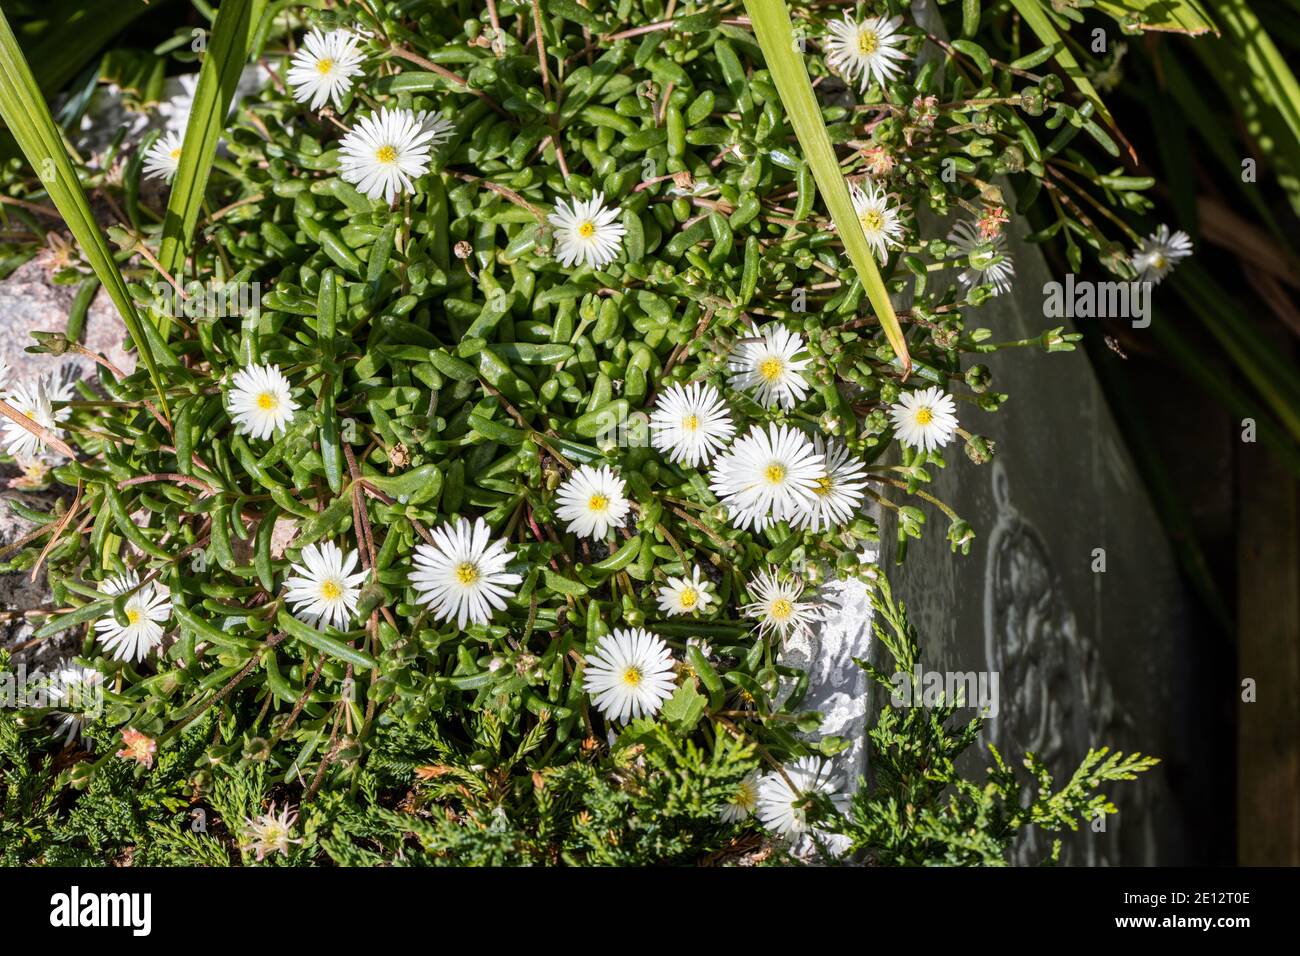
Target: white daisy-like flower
[630, 674]
[768, 364]
[700, 644]
[838, 491]
[77, 692]
[5, 370]
[926, 419]
[323, 67]
[987, 259]
[322, 586]
[866, 51]
[779, 608]
[768, 476]
[439, 127]
[270, 832]
[35, 399]
[1156, 257]
[587, 233]
[744, 801]
[175, 110]
[880, 221]
[691, 423]
[163, 158]
[592, 501]
[146, 610]
[463, 575]
[385, 153]
[781, 801]
[261, 401]
[689, 595]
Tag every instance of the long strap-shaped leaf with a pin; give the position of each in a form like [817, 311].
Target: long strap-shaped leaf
[232, 35]
[25, 112]
[775, 36]
[1172, 16]
[1272, 76]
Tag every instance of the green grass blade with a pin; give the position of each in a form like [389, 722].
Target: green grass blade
[775, 35]
[1169, 16]
[1272, 76]
[228, 46]
[1034, 15]
[28, 118]
[1255, 75]
[1272, 375]
[1216, 134]
[78, 30]
[1191, 360]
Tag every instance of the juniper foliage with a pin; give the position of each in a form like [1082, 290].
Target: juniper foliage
[921, 809]
[469, 791]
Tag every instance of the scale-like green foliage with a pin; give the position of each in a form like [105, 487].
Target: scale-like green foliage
[921, 810]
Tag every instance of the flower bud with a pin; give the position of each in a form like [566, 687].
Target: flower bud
[978, 378]
[979, 449]
[258, 750]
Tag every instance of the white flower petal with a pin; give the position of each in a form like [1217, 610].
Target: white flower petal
[924, 419]
[260, 401]
[323, 67]
[592, 501]
[769, 366]
[629, 674]
[462, 575]
[586, 233]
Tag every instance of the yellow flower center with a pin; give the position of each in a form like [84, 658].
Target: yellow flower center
[775, 474]
[325, 65]
[690, 597]
[597, 502]
[587, 229]
[467, 573]
[330, 590]
[868, 42]
[268, 402]
[745, 797]
[175, 153]
[781, 609]
[924, 416]
[632, 676]
[132, 616]
[824, 485]
[771, 368]
[691, 423]
[386, 154]
[1160, 261]
[872, 220]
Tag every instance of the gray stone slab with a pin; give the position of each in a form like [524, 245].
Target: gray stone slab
[1083, 656]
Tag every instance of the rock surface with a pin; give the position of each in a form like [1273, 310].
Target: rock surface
[29, 301]
[1083, 656]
